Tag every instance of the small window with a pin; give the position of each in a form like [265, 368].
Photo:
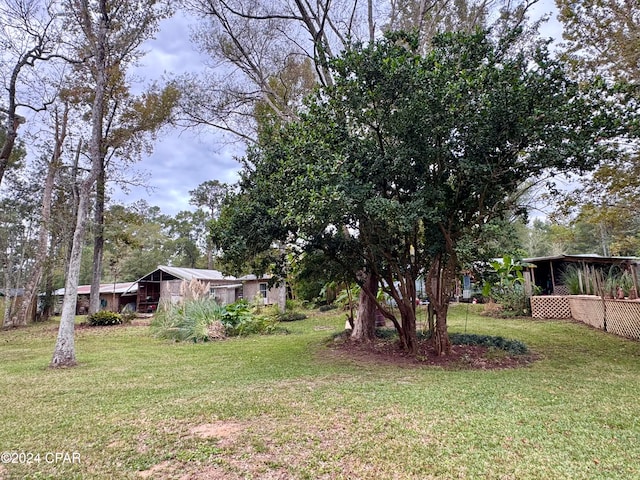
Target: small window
[263, 290]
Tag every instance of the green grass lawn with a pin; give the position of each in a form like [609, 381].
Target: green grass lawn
[281, 407]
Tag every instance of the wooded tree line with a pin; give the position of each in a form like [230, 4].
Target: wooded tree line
[389, 155]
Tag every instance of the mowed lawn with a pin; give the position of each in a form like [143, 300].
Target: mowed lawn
[285, 407]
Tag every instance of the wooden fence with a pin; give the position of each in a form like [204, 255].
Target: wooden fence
[621, 317]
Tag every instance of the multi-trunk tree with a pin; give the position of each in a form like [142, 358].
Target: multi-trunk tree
[272, 53]
[406, 156]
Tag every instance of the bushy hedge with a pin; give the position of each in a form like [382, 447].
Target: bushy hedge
[103, 318]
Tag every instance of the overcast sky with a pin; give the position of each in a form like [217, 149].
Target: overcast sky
[182, 160]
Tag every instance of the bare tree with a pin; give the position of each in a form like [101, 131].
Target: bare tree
[60, 121]
[252, 45]
[29, 35]
[109, 34]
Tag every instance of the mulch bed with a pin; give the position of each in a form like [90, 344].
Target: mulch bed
[462, 357]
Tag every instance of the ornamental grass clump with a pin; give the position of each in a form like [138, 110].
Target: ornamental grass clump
[202, 320]
[187, 321]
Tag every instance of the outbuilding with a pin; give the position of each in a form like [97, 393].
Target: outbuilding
[174, 284]
[548, 274]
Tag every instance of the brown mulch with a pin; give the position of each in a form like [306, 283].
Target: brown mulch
[461, 357]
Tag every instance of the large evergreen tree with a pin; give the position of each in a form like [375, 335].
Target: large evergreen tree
[406, 156]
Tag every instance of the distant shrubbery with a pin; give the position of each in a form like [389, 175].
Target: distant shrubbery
[291, 317]
[104, 317]
[514, 347]
[326, 308]
[241, 318]
[201, 320]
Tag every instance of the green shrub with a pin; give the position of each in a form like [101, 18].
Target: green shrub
[508, 289]
[514, 347]
[291, 317]
[103, 318]
[514, 301]
[242, 319]
[326, 308]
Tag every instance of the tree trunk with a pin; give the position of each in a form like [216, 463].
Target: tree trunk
[441, 341]
[282, 297]
[364, 325]
[98, 242]
[430, 322]
[74, 200]
[439, 286]
[7, 146]
[406, 301]
[47, 301]
[408, 333]
[13, 120]
[6, 314]
[64, 353]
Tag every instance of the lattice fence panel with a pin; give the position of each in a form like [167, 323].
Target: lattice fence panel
[623, 318]
[587, 309]
[561, 290]
[550, 307]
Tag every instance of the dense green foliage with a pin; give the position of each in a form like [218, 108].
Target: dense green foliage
[402, 165]
[514, 347]
[103, 318]
[242, 318]
[506, 285]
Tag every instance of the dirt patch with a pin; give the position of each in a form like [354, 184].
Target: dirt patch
[389, 351]
[223, 433]
[161, 470]
[219, 430]
[140, 322]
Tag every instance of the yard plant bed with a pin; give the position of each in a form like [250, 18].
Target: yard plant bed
[388, 350]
